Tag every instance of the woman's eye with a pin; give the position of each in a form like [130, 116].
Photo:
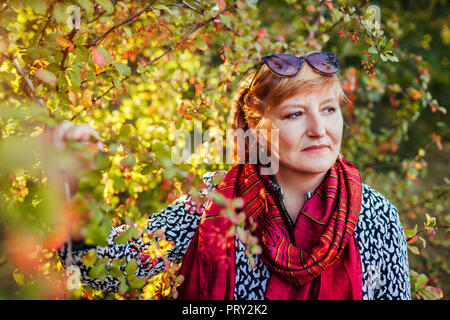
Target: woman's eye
[295, 115]
[330, 109]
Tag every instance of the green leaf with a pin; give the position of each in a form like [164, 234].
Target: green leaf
[87, 5]
[411, 232]
[122, 68]
[125, 131]
[118, 262]
[390, 44]
[60, 14]
[147, 169]
[75, 77]
[102, 161]
[19, 278]
[99, 272]
[95, 235]
[131, 268]
[107, 5]
[135, 233]
[115, 272]
[373, 50]
[420, 281]
[127, 31]
[140, 69]
[129, 161]
[7, 76]
[137, 283]
[414, 249]
[89, 258]
[124, 237]
[392, 57]
[431, 221]
[226, 20]
[38, 6]
[383, 57]
[162, 7]
[62, 81]
[123, 287]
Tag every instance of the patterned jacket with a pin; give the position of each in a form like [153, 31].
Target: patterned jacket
[379, 235]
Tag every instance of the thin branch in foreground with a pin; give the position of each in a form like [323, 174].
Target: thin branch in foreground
[30, 85]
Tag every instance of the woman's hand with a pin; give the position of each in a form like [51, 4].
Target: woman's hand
[83, 133]
[80, 133]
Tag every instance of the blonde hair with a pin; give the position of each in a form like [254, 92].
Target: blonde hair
[269, 90]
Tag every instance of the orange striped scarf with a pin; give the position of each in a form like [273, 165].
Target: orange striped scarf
[318, 259]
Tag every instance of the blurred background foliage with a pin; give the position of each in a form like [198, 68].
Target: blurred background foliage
[137, 71]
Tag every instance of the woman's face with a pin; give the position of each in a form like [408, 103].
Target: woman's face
[306, 120]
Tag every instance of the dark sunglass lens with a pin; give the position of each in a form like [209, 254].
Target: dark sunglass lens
[283, 64]
[324, 62]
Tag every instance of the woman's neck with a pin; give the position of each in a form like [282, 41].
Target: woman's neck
[296, 183]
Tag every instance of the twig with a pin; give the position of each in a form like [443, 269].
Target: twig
[102, 13]
[70, 36]
[357, 19]
[186, 5]
[95, 42]
[50, 18]
[312, 33]
[4, 8]
[185, 37]
[211, 87]
[339, 21]
[30, 85]
[196, 27]
[427, 228]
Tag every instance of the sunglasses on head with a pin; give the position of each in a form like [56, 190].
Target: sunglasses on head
[287, 65]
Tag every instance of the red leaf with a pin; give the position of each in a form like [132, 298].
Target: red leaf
[65, 43]
[222, 4]
[98, 57]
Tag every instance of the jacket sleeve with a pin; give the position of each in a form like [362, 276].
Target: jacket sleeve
[178, 221]
[395, 269]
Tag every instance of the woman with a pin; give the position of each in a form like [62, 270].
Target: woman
[324, 234]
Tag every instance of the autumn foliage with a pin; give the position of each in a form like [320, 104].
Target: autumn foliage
[138, 70]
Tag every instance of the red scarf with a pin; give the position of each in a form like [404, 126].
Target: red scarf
[318, 260]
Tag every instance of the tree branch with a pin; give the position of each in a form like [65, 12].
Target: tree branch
[185, 37]
[95, 42]
[357, 19]
[29, 83]
[70, 36]
[427, 228]
[49, 19]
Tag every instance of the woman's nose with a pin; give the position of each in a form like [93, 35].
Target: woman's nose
[315, 125]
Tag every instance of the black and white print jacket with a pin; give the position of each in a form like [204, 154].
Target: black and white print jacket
[379, 235]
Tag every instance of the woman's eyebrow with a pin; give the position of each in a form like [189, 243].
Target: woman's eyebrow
[328, 100]
[289, 105]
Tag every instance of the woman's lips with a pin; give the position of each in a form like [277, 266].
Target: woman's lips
[316, 149]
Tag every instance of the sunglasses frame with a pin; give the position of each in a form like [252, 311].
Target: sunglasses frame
[265, 60]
